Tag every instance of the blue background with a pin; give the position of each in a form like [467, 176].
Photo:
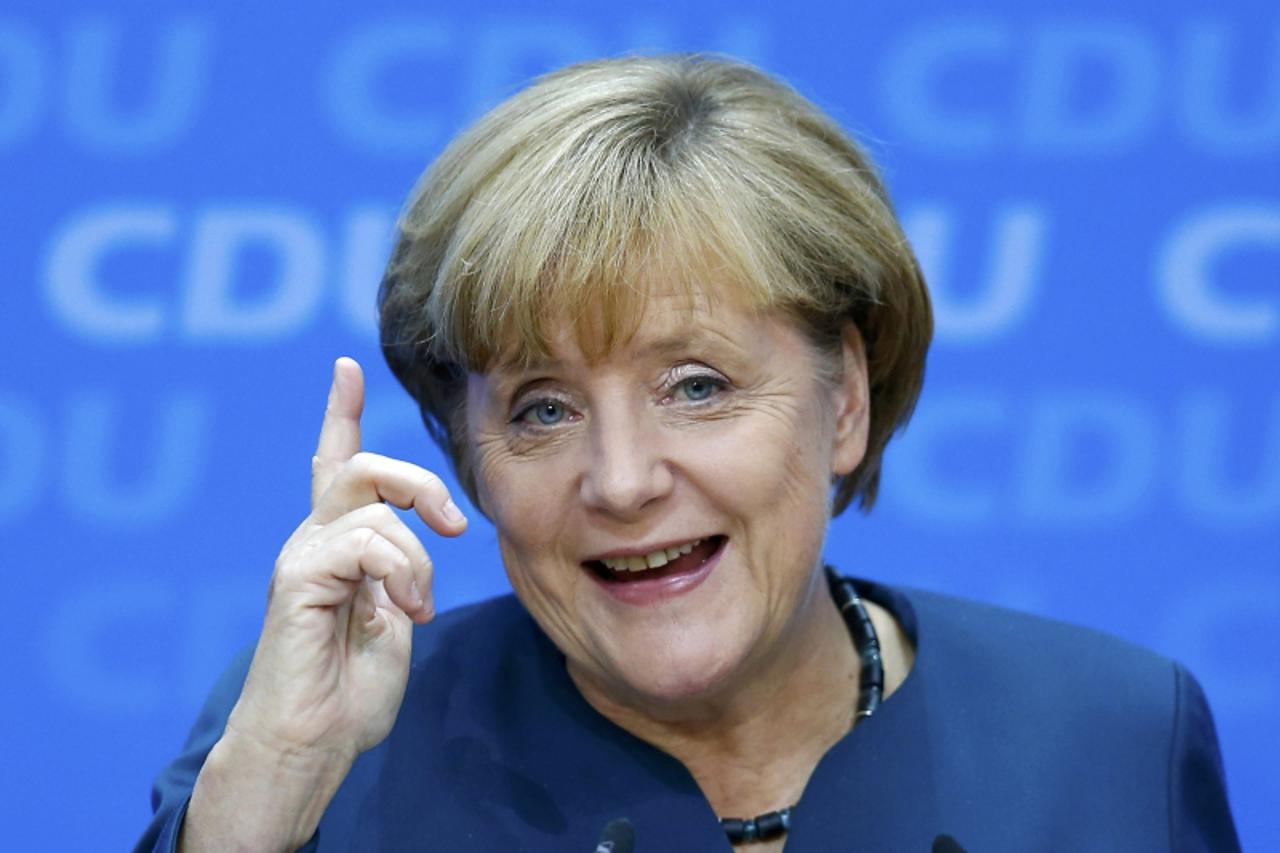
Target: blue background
[196, 203]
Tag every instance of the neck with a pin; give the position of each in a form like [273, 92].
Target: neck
[753, 744]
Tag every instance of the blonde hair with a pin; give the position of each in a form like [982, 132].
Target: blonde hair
[553, 204]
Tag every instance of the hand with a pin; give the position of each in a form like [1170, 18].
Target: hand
[330, 668]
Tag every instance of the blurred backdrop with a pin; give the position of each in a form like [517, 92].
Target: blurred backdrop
[197, 199]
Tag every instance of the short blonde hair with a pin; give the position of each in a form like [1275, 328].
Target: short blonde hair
[553, 203]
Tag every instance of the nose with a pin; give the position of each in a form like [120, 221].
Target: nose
[627, 470]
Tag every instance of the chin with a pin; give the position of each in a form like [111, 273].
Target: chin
[681, 674]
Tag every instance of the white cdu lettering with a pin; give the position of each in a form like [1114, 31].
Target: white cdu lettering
[912, 80]
[222, 236]
[1208, 444]
[1199, 302]
[355, 84]
[112, 488]
[366, 240]
[1088, 457]
[1012, 269]
[72, 285]
[1210, 108]
[181, 74]
[1121, 106]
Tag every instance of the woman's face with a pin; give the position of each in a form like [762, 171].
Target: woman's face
[661, 511]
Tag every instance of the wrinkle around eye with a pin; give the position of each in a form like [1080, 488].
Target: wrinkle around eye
[775, 399]
[519, 440]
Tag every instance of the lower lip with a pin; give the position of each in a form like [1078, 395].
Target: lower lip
[641, 592]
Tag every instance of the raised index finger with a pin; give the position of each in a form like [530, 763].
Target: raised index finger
[340, 432]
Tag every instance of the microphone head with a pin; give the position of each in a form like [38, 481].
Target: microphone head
[619, 836]
[946, 844]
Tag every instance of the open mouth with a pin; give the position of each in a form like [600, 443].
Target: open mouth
[659, 564]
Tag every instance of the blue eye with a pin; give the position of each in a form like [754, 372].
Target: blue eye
[698, 388]
[547, 412]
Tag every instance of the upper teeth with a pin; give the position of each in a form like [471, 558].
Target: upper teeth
[649, 561]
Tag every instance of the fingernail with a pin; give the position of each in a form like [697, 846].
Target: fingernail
[451, 512]
[415, 593]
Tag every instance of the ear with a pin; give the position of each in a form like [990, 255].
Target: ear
[852, 399]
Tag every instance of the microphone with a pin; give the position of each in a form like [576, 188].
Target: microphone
[619, 836]
[946, 844]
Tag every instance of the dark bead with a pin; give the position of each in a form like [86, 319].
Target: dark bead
[865, 632]
[869, 701]
[735, 828]
[769, 825]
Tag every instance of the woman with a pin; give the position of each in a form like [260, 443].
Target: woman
[661, 316]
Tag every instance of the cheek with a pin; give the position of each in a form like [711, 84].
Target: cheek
[766, 466]
[528, 499]
[782, 486]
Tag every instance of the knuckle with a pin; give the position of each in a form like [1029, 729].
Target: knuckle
[376, 545]
[382, 515]
[355, 468]
[364, 460]
[367, 538]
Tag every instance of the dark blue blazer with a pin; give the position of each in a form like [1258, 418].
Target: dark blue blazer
[1011, 733]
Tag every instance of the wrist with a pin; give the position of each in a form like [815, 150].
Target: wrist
[254, 794]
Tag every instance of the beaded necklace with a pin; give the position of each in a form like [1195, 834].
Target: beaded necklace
[770, 825]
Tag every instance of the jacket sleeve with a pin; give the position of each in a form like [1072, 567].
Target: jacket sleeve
[172, 789]
[1199, 814]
